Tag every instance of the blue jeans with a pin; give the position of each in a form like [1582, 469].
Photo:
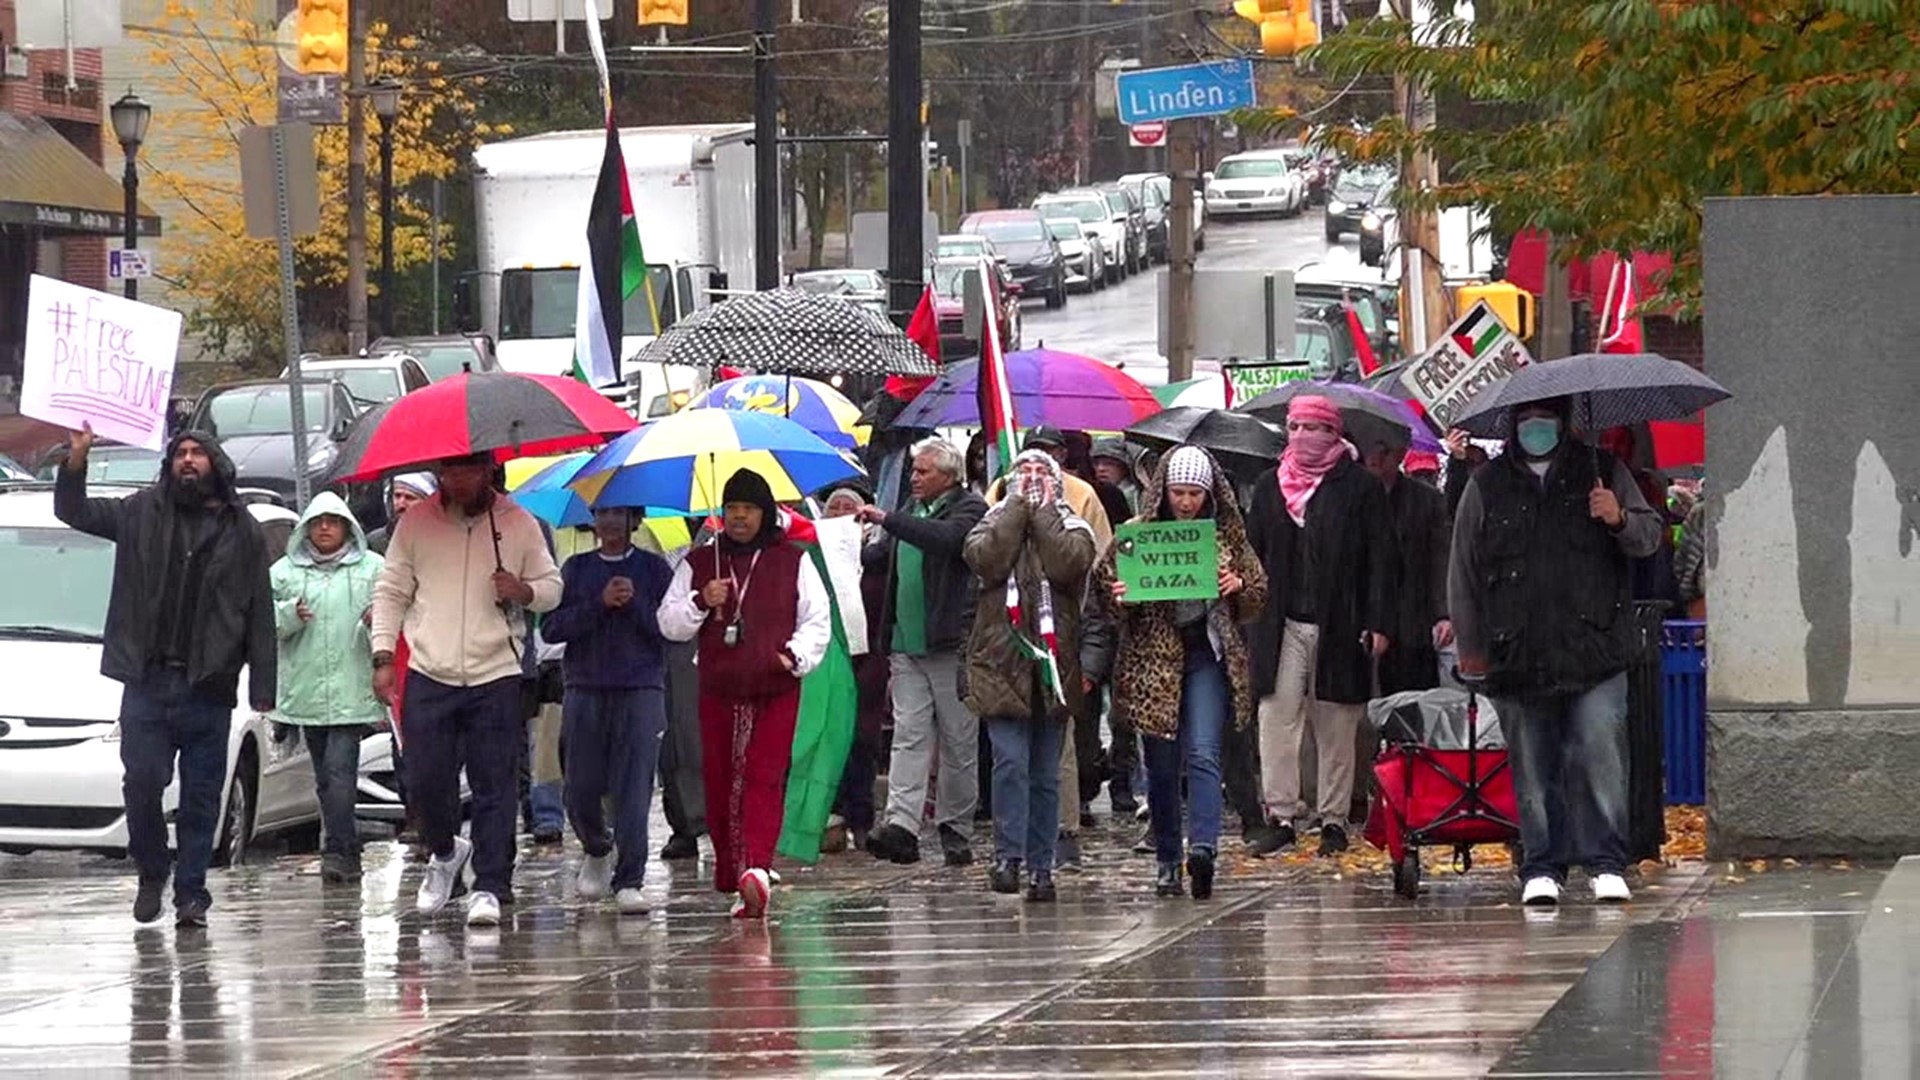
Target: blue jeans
[1026, 788]
[613, 747]
[1203, 719]
[335, 752]
[477, 728]
[1569, 758]
[162, 717]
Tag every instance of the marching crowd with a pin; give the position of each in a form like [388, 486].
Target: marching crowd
[1018, 674]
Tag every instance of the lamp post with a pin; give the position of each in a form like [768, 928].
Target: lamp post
[385, 92]
[130, 118]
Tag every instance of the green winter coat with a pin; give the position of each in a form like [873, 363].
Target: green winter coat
[326, 664]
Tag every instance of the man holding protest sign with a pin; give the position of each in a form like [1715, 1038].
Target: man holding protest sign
[191, 605]
[1182, 672]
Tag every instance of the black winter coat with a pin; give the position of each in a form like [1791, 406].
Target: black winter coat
[1349, 547]
[233, 611]
[947, 579]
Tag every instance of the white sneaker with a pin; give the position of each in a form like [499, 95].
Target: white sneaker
[437, 887]
[1540, 892]
[1611, 889]
[596, 877]
[755, 892]
[630, 901]
[483, 909]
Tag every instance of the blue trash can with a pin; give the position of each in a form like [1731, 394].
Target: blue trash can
[1683, 671]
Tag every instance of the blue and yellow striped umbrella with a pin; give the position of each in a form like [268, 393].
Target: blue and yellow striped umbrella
[539, 485]
[808, 402]
[682, 462]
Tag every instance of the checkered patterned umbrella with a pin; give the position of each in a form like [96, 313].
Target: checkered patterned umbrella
[787, 331]
[1608, 391]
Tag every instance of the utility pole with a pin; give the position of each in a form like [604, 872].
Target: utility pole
[356, 178]
[1423, 297]
[766, 149]
[1183, 167]
[906, 184]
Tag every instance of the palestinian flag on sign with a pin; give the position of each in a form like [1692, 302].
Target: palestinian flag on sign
[996, 393]
[616, 265]
[1478, 331]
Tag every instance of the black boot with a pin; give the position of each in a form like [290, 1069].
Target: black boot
[1200, 870]
[1333, 840]
[1167, 881]
[1269, 839]
[1005, 876]
[894, 844]
[1040, 889]
[957, 849]
[681, 846]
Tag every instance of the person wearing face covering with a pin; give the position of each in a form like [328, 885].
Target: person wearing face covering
[762, 617]
[1541, 591]
[1323, 528]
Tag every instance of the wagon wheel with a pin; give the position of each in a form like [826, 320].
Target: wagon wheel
[1406, 874]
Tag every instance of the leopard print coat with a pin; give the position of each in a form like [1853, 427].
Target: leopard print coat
[1140, 644]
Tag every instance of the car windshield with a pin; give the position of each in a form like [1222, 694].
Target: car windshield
[1249, 168]
[1163, 185]
[263, 410]
[1118, 203]
[445, 361]
[57, 580]
[970, 245]
[1064, 228]
[1358, 185]
[369, 385]
[1313, 343]
[1087, 210]
[1021, 230]
[130, 465]
[540, 303]
[13, 470]
[950, 279]
[853, 281]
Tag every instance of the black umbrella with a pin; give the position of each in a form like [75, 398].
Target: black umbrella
[790, 332]
[1241, 441]
[1608, 390]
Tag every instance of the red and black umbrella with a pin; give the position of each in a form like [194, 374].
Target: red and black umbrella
[495, 412]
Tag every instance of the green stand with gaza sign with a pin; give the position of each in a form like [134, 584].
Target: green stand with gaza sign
[1168, 560]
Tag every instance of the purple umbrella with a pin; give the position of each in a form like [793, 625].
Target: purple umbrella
[1049, 387]
[1359, 407]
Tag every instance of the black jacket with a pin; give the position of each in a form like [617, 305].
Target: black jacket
[1423, 531]
[947, 578]
[233, 610]
[1349, 548]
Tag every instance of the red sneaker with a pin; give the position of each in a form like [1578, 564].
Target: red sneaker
[755, 891]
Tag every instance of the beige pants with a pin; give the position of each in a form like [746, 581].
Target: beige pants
[1069, 785]
[545, 766]
[1284, 718]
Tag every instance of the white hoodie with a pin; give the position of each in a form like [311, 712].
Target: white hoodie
[437, 587]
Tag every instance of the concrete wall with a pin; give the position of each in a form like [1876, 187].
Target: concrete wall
[1814, 471]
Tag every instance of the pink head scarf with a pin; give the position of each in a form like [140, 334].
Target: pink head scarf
[1309, 454]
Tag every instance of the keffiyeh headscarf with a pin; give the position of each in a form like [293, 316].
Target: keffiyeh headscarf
[1189, 466]
[1310, 455]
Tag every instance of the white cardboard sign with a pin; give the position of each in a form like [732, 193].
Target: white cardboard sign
[96, 358]
[1476, 350]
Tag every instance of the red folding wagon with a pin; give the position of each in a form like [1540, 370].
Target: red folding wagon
[1441, 779]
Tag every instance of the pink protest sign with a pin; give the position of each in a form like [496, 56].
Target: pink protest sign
[100, 359]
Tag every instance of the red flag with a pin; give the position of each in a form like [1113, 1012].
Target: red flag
[924, 330]
[723, 373]
[1362, 344]
[1620, 330]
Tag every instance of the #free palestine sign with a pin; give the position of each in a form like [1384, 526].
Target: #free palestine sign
[1168, 560]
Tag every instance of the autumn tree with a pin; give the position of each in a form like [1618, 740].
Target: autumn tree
[221, 58]
[1626, 115]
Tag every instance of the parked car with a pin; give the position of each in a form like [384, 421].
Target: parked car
[868, 288]
[1091, 210]
[1081, 250]
[372, 380]
[1254, 183]
[254, 422]
[12, 472]
[442, 355]
[1028, 248]
[1313, 171]
[949, 297]
[1127, 208]
[1160, 186]
[60, 742]
[966, 245]
[1321, 285]
[1357, 190]
[1323, 341]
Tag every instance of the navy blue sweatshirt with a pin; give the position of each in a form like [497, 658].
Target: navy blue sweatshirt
[610, 648]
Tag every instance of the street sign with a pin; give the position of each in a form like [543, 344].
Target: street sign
[1476, 350]
[1169, 93]
[1238, 314]
[128, 263]
[1152, 133]
[260, 185]
[1249, 381]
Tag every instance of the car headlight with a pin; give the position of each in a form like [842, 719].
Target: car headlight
[1370, 221]
[1335, 206]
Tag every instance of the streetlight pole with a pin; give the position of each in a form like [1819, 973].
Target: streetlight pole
[385, 93]
[130, 117]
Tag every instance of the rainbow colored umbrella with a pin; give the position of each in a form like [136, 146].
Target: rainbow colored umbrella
[1049, 387]
[682, 462]
[808, 402]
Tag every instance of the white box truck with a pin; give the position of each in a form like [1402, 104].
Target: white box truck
[693, 200]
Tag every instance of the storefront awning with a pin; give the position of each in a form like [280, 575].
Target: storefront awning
[46, 181]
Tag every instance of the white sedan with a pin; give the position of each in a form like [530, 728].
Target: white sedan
[60, 769]
[1256, 182]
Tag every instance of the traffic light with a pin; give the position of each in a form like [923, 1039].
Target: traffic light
[323, 37]
[663, 12]
[1286, 26]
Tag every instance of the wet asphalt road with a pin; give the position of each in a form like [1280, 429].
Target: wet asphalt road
[1294, 968]
[1120, 324]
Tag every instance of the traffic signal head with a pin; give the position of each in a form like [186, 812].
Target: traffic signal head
[1286, 26]
[663, 12]
[322, 37]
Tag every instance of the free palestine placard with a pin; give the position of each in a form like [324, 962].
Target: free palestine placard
[96, 358]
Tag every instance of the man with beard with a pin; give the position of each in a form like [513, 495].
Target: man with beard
[763, 620]
[190, 605]
[466, 630]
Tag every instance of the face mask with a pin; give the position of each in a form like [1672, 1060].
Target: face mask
[1538, 436]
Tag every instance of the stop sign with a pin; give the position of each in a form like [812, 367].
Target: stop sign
[1151, 133]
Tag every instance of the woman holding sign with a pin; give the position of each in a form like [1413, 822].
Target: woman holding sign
[1169, 603]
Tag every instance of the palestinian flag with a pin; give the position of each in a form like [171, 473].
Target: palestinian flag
[996, 392]
[1478, 331]
[1046, 651]
[823, 731]
[616, 266]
